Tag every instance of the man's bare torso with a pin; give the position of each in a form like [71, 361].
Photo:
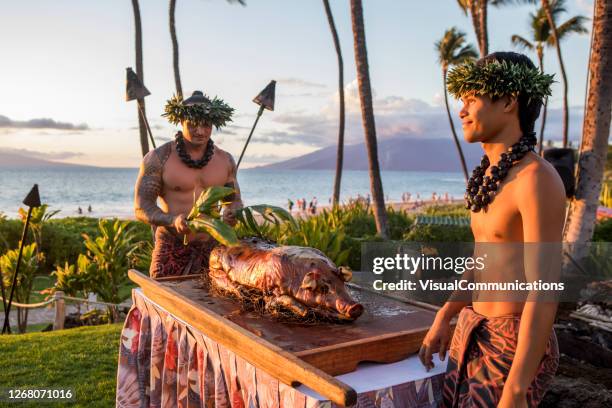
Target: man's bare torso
[502, 222]
[181, 183]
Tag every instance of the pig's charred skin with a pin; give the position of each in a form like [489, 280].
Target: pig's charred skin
[297, 279]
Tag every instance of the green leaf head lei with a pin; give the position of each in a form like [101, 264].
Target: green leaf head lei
[499, 78]
[198, 109]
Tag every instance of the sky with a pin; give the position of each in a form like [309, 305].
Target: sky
[62, 82]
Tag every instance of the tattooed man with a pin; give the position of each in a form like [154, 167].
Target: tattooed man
[176, 172]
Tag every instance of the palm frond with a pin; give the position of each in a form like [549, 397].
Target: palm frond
[573, 25]
[522, 42]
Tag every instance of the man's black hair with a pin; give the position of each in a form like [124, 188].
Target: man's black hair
[528, 110]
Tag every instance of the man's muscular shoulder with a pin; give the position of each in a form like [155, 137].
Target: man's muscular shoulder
[227, 158]
[538, 180]
[154, 160]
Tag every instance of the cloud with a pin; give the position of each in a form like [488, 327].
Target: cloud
[62, 155]
[40, 123]
[302, 83]
[394, 116]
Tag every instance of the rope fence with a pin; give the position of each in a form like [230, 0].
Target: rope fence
[59, 299]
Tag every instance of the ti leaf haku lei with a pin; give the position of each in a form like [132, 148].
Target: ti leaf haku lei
[497, 79]
[205, 111]
[198, 109]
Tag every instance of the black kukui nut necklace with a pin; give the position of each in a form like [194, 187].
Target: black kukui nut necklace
[185, 158]
[480, 188]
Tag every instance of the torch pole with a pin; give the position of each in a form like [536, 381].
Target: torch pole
[7, 309]
[261, 108]
[144, 118]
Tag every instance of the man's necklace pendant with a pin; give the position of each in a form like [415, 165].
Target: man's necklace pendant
[481, 189]
[185, 158]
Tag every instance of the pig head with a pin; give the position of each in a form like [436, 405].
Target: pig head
[298, 279]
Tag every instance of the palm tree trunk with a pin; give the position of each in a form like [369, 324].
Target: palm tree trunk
[484, 34]
[144, 141]
[544, 108]
[367, 114]
[596, 130]
[340, 151]
[175, 50]
[474, 13]
[452, 126]
[553, 27]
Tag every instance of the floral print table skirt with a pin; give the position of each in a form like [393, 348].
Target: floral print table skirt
[164, 362]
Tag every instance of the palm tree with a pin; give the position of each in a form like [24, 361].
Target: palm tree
[471, 7]
[340, 151]
[144, 141]
[452, 50]
[478, 11]
[367, 114]
[551, 9]
[541, 35]
[175, 50]
[596, 129]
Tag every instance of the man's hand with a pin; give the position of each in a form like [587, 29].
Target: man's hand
[229, 214]
[180, 223]
[437, 338]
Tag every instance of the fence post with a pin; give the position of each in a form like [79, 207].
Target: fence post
[60, 311]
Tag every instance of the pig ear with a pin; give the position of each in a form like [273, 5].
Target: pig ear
[345, 273]
[309, 282]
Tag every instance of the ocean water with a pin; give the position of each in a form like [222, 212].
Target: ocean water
[110, 191]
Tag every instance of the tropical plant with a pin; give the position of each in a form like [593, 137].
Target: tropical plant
[205, 216]
[107, 260]
[340, 149]
[71, 280]
[144, 141]
[24, 280]
[542, 36]
[453, 50]
[38, 218]
[580, 221]
[367, 114]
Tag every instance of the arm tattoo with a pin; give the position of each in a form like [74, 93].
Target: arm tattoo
[235, 198]
[149, 187]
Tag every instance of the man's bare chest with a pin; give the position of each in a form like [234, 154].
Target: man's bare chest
[177, 177]
[501, 221]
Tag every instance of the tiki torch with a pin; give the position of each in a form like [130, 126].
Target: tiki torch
[265, 100]
[135, 89]
[32, 200]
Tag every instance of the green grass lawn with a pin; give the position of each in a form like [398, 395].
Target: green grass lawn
[84, 359]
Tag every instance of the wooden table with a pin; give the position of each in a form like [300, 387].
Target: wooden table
[292, 354]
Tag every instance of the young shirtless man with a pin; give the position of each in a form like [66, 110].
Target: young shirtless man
[503, 352]
[176, 173]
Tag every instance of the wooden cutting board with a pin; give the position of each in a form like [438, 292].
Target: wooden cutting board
[389, 330]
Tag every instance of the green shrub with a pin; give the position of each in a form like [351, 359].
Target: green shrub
[24, 280]
[439, 233]
[457, 210]
[61, 238]
[603, 231]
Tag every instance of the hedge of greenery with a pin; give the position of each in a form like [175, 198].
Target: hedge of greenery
[62, 238]
[63, 241]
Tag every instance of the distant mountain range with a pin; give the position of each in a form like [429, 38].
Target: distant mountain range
[397, 153]
[15, 160]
